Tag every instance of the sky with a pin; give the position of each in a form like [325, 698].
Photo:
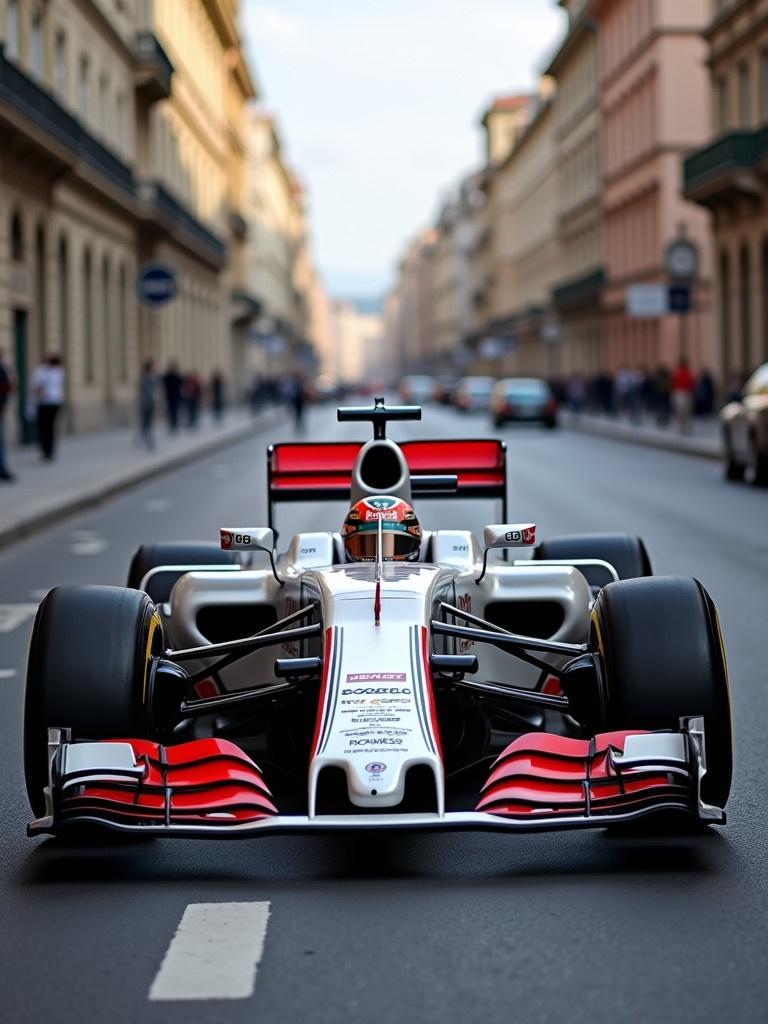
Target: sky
[379, 102]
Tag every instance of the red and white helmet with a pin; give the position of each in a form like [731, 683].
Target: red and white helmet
[400, 530]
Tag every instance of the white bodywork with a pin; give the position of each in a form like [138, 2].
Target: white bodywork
[376, 717]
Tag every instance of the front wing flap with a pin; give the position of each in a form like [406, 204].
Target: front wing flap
[210, 787]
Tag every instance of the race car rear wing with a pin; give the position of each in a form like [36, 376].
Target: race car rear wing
[322, 471]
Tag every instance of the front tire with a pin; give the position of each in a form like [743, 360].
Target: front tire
[662, 659]
[734, 470]
[88, 666]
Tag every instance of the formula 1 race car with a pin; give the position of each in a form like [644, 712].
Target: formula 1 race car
[380, 677]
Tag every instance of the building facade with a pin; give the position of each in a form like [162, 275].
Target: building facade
[576, 296]
[124, 143]
[728, 177]
[654, 109]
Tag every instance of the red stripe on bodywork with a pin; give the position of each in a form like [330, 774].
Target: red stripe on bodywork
[327, 659]
[430, 691]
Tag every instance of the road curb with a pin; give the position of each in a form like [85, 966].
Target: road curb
[59, 508]
[701, 447]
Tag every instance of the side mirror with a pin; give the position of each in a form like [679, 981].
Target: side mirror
[247, 538]
[509, 535]
[506, 535]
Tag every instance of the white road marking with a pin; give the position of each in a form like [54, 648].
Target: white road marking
[214, 954]
[8, 673]
[87, 542]
[14, 615]
[157, 504]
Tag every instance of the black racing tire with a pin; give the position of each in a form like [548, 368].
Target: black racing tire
[90, 653]
[628, 555]
[150, 556]
[734, 470]
[662, 658]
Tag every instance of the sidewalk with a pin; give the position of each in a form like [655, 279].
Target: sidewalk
[704, 438]
[91, 467]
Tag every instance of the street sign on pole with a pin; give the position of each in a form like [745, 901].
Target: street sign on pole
[156, 284]
[679, 298]
[647, 300]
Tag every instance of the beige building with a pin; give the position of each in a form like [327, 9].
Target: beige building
[360, 353]
[655, 108]
[576, 296]
[123, 143]
[278, 265]
[728, 177]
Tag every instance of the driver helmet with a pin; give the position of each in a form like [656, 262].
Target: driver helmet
[400, 530]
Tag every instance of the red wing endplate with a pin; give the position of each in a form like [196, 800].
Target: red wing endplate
[543, 774]
[205, 781]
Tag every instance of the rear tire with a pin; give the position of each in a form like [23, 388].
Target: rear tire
[88, 666]
[151, 556]
[628, 555]
[662, 658]
[756, 470]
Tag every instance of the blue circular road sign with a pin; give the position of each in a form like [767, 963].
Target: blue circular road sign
[156, 284]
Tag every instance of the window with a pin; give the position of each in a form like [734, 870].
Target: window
[745, 98]
[764, 85]
[17, 239]
[722, 114]
[120, 120]
[87, 319]
[60, 63]
[12, 30]
[84, 88]
[103, 103]
[36, 53]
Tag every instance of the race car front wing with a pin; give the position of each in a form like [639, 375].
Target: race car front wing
[211, 788]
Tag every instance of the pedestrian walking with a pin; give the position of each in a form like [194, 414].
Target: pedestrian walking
[662, 384]
[193, 396]
[7, 387]
[147, 389]
[683, 386]
[217, 395]
[297, 397]
[173, 384]
[48, 394]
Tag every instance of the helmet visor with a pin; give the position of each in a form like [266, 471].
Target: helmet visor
[361, 546]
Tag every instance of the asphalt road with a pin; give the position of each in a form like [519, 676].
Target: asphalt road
[572, 926]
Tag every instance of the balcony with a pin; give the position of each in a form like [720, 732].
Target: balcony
[154, 69]
[726, 170]
[34, 114]
[579, 293]
[163, 211]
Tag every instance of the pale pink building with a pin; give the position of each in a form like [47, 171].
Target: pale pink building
[655, 109]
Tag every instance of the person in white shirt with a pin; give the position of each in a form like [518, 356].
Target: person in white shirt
[48, 392]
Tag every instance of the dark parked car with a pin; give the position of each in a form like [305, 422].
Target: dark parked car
[745, 431]
[524, 400]
[473, 394]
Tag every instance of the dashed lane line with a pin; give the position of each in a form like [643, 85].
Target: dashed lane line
[214, 954]
[8, 673]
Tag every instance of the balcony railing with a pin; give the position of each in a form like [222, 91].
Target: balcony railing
[154, 67]
[178, 216]
[38, 106]
[720, 161]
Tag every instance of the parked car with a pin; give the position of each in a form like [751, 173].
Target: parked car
[416, 389]
[525, 400]
[445, 389]
[745, 431]
[473, 394]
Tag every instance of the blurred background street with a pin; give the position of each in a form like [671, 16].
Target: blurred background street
[542, 220]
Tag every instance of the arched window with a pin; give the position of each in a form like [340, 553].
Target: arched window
[17, 238]
[725, 314]
[122, 323]
[745, 275]
[41, 291]
[106, 326]
[88, 374]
